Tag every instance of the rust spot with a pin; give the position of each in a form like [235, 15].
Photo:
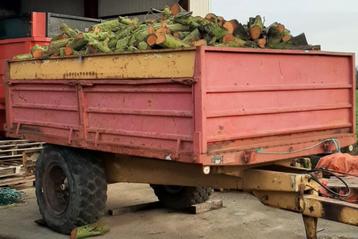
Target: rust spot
[221, 127]
[311, 208]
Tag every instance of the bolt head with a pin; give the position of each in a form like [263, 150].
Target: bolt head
[206, 170]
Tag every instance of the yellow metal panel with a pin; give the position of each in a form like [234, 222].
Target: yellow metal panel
[166, 64]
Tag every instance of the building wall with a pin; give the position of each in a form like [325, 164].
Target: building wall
[70, 7]
[200, 7]
[121, 7]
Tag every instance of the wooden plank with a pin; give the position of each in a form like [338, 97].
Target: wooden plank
[195, 209]
[204, 207]
[16, 180]
[134, 208]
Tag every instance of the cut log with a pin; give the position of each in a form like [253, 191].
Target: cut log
[255, 27]
[68, 51]
[38, 54]
[175, 9]
[38, 51]
[100, 46]
[68, 31]
[143, 46]
[62, 52]
[54, 47]
[23, 57]
[125, 32]
[274, 33]
[151, 29]
[106, 26]
[79, 41]
[228, 38]
[193, 36]
[178, 27]
[161, 36]
[172, 42]
[241, 32]
[221, 21]
[236, 42]
[152, 39]
[211, 17]
[181, 35]
[286, 35]
[112, 43]
[261, 42]
[213, 29]
[231, 26]
[128, 21]
[122, 44]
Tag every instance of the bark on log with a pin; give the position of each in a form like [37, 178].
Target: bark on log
[69, 31]
[255, 27]
[23, 57]
[173, 43]
[193, 36]
[152, 39]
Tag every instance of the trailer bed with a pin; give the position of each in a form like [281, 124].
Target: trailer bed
[211, 106]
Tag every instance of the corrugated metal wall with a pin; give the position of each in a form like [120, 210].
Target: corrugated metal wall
[69, 7]
[115, 7]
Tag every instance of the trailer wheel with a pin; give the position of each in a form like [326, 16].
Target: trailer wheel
[179, 197]
[71, 188]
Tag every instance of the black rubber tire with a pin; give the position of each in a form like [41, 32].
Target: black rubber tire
[83, 190]
[181, 197]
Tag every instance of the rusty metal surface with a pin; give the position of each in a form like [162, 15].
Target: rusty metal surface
[213, 106]
[264, 180]
[166, 64]
[139, 170]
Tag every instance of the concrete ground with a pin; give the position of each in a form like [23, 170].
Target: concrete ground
[242, 217]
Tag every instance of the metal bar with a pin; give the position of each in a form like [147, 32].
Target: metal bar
[48, 124]
[281, 132]
[274, 51]
[170, 113]
[278, 111]
[265, 180]
[354, 86]
[310, 227]
[141, 134]
[331, 209]
[262, 88]
[45, 107]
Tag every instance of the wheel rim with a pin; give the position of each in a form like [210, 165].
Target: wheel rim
[56, 189]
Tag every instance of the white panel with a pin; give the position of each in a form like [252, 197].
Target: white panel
[200, 7]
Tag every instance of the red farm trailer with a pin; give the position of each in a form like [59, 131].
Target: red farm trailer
[182, 121]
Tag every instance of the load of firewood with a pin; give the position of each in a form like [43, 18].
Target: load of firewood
[175, 28]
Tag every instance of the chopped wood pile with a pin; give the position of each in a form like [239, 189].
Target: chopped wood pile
[175, 28]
